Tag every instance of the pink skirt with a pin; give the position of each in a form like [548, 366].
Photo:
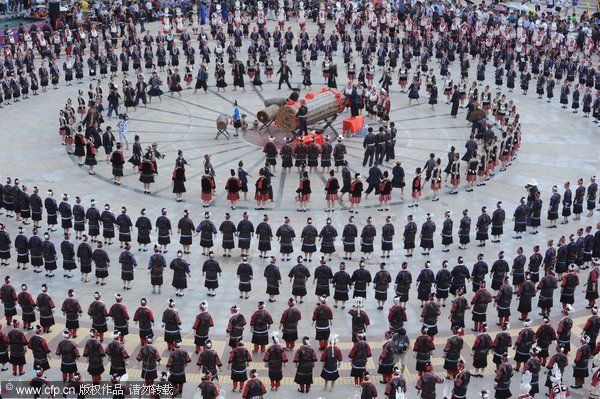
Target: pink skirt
[206, 196]
[233, 196]
[416, 194]
[304, 198]
[355, 200]
[455, 182]
[471, 177]
[261, 197]
[332, 197]
[385, 197]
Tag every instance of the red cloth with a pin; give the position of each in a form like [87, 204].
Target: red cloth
[353, 125]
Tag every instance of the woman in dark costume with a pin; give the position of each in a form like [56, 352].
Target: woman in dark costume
[349, 235]
[90, 156]
[228, 230]
[331, 359]
[481, 348]
[256, 79]
[175, 85]
[239, 358]
[146, 172]
[181, 272]
[275, 358]
[178, 181]
[305, 359]
[410, 232]
[220, 78]
[155, 90]
[413, 91]
[79, 141]
[84, 255]
[327, 236]
[264, 234]
[341, 283]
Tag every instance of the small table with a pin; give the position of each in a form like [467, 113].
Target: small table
[351, 126]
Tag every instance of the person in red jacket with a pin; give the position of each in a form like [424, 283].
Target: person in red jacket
[581, 363]
[426, 383]
[303, 192]
[254, 388]
[545, 335]
[27, 303]
[289, 324]
[461, 382]
[275, 359]
[239, 360]
[201, 327]
[385, 192]
[69, 354]
[397, 383]
[3, 350]
[120, 317]
[479, 304]
[144, 318]
[568, 286]
[8, 296]
[305, 359]
[233, 187]
[322, 320]
[17, 348]
[260, 322]
[40, 350]
[360, 354]
[423, 349]
[368, 389]
[591, 288]
[331, 191]
[208, 389]
[396, 315]
[356, 190]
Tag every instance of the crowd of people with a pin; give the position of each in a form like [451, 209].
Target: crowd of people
[541, 46]
[408, 44]
[546, 270]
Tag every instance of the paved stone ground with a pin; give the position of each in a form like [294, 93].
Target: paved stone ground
[557, 146]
